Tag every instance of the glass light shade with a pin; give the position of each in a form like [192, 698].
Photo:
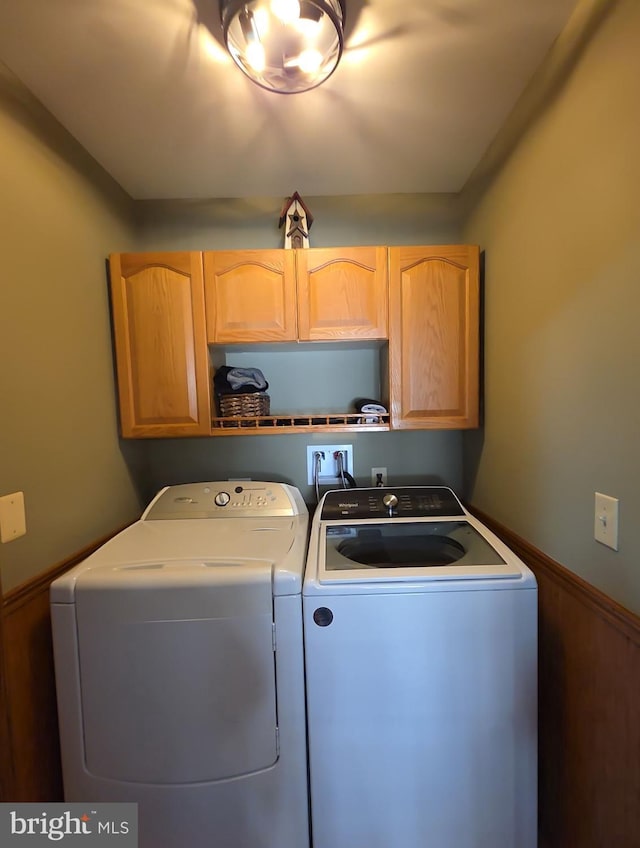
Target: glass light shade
[286, 46]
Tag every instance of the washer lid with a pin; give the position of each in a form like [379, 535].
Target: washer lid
[403, 550]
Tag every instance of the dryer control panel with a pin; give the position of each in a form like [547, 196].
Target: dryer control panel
[226, 499]
[401, 502]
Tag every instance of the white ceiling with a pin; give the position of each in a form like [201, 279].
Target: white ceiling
[146, 88]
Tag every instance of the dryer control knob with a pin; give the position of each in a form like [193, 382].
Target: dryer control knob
[222, 499]
[390, 501]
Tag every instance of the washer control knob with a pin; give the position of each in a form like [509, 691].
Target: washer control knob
[222, 499]
[390, 501]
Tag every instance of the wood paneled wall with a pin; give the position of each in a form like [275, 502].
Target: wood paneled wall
[6, 762]
[30, 693]
[589, 709]
[30, 768]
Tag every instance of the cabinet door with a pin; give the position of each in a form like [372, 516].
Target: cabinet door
[342, 293]
[250, 296]
[161, 347]
[434, 337]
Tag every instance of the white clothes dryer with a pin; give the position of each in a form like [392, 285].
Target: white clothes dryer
[420, 631]
[179, 668]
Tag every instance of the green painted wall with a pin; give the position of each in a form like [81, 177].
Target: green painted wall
[59, 217]
[560, 225]
[253, 222]
[411, 458]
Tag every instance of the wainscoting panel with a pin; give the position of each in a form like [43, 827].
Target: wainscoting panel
[6, 762]
[31, 698]
[589, 708]
[30, 768]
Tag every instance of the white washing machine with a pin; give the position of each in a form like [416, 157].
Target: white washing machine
[179, 667]
[420, 632]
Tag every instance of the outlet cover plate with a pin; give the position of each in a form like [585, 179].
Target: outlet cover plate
[12, 518]
[605, 526]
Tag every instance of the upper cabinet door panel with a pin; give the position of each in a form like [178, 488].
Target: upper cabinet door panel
[250, 296]
[159, 330]
[342, 293]
[434, 338]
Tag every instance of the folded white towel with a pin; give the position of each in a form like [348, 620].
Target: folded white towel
[373, 407]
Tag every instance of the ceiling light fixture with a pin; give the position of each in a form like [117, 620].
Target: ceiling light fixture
[286, 46]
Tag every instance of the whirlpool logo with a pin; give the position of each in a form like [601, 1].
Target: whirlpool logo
[71, 824]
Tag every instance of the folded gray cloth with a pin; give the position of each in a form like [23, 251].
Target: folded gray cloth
[229, 380]
[246, 377]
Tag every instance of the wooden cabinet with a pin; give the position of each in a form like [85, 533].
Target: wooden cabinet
[342, 293]
[250, 296]
[160, 340]
[317, 294]
[424, 300]
[434, 337]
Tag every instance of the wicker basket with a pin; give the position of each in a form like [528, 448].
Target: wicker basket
[244, 405]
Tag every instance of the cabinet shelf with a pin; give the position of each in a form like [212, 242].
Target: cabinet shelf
[296, 423]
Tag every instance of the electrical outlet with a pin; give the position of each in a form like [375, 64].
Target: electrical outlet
[379, 477]
[12, 518]
[605, 527]
[328, 471]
